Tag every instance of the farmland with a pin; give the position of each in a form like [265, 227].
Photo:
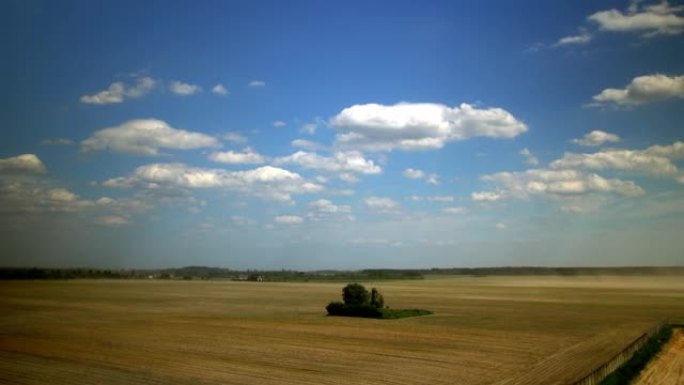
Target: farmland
[668, 367]
[485, 330]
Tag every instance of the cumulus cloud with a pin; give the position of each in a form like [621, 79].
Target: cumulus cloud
[266, 182]
[219, 89]
[279, 124]
[486, 196]
[654, 160]
[308, 128]
[22, 164]
[650, 19]
[145, 137]
[257, 83]
[326, 206]
[374, 242]
[112, 220]
[433, 198]
[455, 210]
[325, 209]
[642, 90]
[118, 91]
[344, 164]
[419, 126]
[247, 156]
[596, 138]
[288, 219]
[558, 183]
[582, 38]
[57, 142]
[412, 173]
[529, 157]
[381, 205]
[30, 198]
[307, 144]
[184, 89]
[235, 137]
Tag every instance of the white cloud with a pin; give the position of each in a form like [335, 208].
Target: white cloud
[529, 157]
[381, 205]
[118, 91]
[112, 220]
[325, 209]
[235, 137]
[412, 173]
[308, 128]
[146, 137]
[374, 242]
[279, 124]
[257, 83]
[219, 89]
[184, 89]
[540, 182]
[671, 151]
[642, 90]
[307, 144]
[419, 126]
[22, 164]
[342, 163]
[435, 198]
[288, 219]
[326, 206]
[652, 20]
[654, 160]
[455, 210]
[30, 198]
[486, 196]
[114, 94]
[57, 142]
[266, 182]
[626, 160]
[501, 226]
[432, 179]
[596, 138]
[247, 156]
[582, 38]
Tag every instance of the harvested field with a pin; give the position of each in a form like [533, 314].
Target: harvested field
[484, 330]
[667, 368]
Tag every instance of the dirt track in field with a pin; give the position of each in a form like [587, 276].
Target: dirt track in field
[484, 330]
[668, 367]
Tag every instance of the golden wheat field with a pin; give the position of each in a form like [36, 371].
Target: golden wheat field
[489, 330]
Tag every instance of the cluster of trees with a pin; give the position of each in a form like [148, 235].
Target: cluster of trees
[358, 302]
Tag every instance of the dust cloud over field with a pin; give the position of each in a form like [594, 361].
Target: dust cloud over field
[484, 330]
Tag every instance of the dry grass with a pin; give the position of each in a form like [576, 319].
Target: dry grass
[484, 330]
[667, 368]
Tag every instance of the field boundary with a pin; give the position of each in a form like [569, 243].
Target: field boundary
[597, 375]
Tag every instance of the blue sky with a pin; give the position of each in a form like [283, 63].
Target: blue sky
[341, 134]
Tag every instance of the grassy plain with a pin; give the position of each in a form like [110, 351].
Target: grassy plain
[485, 330]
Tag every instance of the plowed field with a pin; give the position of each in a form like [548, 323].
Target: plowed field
[484, 330]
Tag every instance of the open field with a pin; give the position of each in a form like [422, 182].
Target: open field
[667, 368]
[484, 330]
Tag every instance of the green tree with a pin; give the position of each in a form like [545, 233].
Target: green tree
[376, 300]
[355, 294]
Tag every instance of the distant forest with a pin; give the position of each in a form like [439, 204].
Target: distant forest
[204, 273]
